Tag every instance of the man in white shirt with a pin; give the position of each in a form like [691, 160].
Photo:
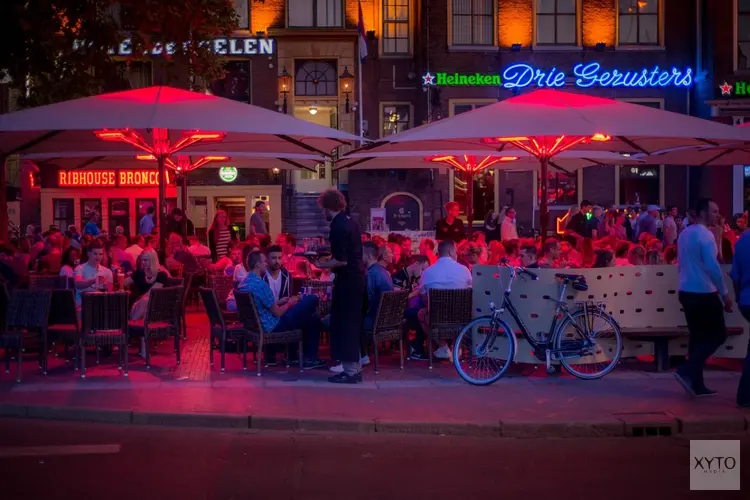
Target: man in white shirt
[508, 229]
[444, 274]
[91, 276]
[197, 248]
[669, 227]
[137, 244]
[703, 295]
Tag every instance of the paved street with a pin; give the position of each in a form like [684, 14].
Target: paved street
[61, 460]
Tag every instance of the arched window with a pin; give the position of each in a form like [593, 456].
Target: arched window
[316, 78]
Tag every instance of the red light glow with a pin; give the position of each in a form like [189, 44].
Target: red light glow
[161, 144]
[469, 163]
[546, 146]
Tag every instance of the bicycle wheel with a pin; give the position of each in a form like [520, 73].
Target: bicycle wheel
[483, 351]
[590, 343]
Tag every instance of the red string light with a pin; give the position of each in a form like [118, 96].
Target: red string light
[161, 144]
[469, 163]
[547, 146]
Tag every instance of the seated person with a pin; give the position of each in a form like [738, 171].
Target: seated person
[292, 314]
[197, 248]
[528, 255]
[149, 275]
[378, 281]
[227, 263]
[511, 251]
[178, 254]
[427, 248]
[552, 251]
[446, 273]
[407, 278]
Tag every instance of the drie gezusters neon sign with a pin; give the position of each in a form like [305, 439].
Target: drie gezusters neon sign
[522, 75]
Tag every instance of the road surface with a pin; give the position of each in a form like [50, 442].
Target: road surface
[58, 460]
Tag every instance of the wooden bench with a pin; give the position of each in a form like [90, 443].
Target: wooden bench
[661, 336]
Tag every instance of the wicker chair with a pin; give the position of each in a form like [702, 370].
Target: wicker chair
[162, 319]
[26, 312]
[175, 282]
[222, 330]
[320, 288]
[449, 312]
[4, 300]
[63, 321]
[250, 319]
[48, 282]
[389, 323]
[222, 285]
[186, 287]
[104, 318]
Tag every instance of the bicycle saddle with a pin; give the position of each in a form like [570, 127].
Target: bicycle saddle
[577, 281]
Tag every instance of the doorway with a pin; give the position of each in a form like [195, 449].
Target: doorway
[235, 207]
[315, 182]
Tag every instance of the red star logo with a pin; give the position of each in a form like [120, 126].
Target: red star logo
[428, 79]
[726, 89]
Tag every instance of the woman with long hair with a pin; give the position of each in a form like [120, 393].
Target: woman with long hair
[69, 262]
[220, 235]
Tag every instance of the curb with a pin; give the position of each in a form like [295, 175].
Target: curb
[617, 425]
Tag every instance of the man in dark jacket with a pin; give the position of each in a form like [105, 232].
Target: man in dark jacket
[179, 224]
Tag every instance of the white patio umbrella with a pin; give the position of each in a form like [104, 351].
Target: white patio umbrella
[162, 121]
[545, 123]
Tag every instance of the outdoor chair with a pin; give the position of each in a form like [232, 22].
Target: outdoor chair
[220, 329]
[222, 285]
[161, 321]
[389, 323]
[250, 319]
[449, 311]
[175, 269]
[63, 322]
[320, 288]
[26, 314]
[175, 282]
[104, 323]
[186, 286]
[49, 282]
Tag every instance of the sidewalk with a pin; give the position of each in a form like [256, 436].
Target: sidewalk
[629, 401]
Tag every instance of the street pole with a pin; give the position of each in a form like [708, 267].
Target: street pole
[359, 89]
[469, 200]
[184, 203]
[3, 201]
[161, 221]
[543, 212]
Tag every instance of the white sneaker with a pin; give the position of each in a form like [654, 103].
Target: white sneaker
[365, 360]
[443, 352]
[339, 368]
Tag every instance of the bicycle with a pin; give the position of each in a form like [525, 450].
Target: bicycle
[480, 343]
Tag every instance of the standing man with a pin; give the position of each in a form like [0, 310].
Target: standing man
[669, 228]
[741, 279]
[578, 226]
[508, 228]
[451, 228]
[179, 224]
[146, 224]
[703, 296]
[348, 287]
[256, 220]
[649, 223]
[91, 226]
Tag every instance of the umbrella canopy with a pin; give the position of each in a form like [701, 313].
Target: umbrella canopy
[545, 123]
[212, 124]
[162, 121]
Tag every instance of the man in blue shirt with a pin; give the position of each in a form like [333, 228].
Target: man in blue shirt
[290, 314]
[378, 281]
[146, 224]
[741, 279]
[91, 227]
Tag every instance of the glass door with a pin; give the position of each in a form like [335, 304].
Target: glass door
[236, 210]
[119, 215]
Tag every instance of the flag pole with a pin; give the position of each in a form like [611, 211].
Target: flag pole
[359, 88]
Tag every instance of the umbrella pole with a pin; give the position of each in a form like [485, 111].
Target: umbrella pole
[4, 202]
[183, 203]
[543, 210]
[162, 211]
[470, 201]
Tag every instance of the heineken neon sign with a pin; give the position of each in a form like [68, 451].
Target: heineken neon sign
[460, 79]
[518, 76]
[738, 89]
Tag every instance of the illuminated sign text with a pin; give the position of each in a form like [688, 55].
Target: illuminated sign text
[738, 89]
[108, 178]
[219, 46]
[591, 75]
[458, 79]
[228, 174]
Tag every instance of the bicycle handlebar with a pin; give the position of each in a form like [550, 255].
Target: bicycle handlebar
[504, 262]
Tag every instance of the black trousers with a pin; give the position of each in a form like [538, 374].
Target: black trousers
[743, 391]
[704, 313]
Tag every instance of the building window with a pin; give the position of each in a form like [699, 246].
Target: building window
[562, 189]
[242, 7]
[88, 207]
[63, 213]
[743, 34]
[556, 22]
[639, 22]
[135, 75]
[236, 82]
[315, 13]
[315, 78]
[396, 118]
[396, 27]
[473, 22]
[462, 107]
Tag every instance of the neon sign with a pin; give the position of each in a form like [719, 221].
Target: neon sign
[738, 89]
[591, 75]
[219, 46]
[457, 79]
[108, 178]
[228, 174]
